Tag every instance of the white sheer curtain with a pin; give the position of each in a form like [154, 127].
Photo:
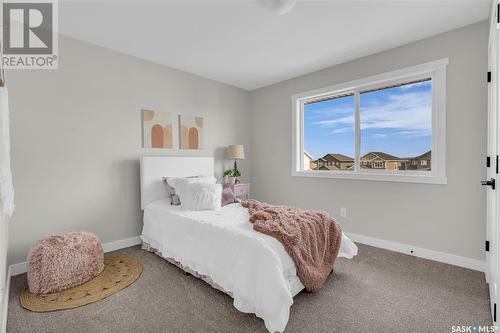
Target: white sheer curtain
[6, 186]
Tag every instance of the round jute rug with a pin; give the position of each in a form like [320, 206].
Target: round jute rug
[119, 272]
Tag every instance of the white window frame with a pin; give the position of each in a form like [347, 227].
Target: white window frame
[436, 70]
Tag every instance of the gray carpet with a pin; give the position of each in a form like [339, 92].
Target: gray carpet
[378, 291]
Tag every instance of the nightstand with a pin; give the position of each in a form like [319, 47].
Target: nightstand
[240, 189]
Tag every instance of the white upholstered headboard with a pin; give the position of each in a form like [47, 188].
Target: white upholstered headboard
[154, 168]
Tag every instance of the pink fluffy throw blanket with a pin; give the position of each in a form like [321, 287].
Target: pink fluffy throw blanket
[311, 238]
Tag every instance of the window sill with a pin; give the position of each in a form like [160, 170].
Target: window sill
[385, 177]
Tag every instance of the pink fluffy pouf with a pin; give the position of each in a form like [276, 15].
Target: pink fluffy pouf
[63, 261]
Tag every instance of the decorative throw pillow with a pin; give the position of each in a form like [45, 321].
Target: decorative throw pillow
[176, 184]
[201, 196]
[174, 198]
[228, 197]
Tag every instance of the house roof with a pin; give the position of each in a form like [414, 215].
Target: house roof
[424, 156]
[338, 157]
[384, 156]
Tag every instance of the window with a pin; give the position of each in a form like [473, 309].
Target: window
[376, 128]
[321, 137]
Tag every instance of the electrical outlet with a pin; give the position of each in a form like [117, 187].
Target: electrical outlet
[343, 212]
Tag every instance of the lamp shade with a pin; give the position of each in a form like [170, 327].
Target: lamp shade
[235, 152]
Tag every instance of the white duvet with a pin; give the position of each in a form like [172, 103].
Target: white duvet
[254, 267]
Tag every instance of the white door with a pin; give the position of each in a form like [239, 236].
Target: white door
[493, 192]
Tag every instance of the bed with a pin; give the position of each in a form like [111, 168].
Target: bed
[220, 246]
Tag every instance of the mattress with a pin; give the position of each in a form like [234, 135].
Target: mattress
[252, 267]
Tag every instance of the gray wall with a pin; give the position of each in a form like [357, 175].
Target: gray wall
[448, 218]
[77, 136]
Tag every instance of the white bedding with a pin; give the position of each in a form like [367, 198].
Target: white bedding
[222, 244]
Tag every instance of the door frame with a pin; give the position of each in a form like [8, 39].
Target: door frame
[493, 144]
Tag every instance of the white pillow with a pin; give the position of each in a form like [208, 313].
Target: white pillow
[174, 181]
[179, 183]
[201, 196]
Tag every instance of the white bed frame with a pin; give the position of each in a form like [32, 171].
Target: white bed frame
[154, 168]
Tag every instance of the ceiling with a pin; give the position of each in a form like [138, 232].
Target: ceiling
[244, 44]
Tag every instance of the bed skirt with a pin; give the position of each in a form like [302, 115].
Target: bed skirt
[206, 278]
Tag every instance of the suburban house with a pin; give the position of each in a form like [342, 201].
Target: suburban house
[372, 160]
[309, 164]
[334, 162]
[380, 160]
[422, 162]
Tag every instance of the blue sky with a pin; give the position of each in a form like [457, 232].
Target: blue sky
[394, 120]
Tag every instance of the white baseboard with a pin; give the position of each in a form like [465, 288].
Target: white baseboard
[22, 267]
[443, 257]
[19, 268]
[121, 244]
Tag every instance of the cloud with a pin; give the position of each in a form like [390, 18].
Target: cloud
[379, 135]
[342, 130]
[339, 121]
[404, 111]
[414, 134]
